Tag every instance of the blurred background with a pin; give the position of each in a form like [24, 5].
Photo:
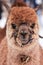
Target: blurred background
[5, 6]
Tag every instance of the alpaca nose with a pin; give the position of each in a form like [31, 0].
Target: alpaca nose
[23, 33]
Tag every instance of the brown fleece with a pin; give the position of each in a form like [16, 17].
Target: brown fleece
[2, 34]
[4, 51]
[24, 14]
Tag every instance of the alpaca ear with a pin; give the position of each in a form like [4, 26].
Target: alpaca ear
[36, 9]
[7, 4]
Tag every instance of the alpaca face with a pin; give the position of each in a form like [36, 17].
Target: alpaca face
[26, 32]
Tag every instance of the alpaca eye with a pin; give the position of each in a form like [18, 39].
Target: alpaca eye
[13, 26]
[32, 26]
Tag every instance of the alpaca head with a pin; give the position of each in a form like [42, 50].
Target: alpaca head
[22, 26]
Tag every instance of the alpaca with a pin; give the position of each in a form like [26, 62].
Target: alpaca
[20, 46]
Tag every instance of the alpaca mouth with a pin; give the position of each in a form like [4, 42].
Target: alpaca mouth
[24, 42]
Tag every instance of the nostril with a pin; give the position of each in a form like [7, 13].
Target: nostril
[23, 33]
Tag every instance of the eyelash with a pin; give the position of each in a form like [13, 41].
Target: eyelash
[32, 26]
[13, 26]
